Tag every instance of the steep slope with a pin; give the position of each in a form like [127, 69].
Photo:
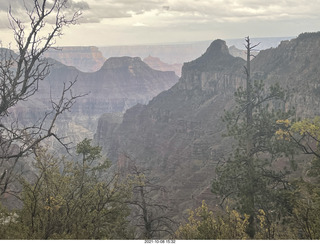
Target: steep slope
[178, 135]
[173, 134]
[295, 65]
[120, 84]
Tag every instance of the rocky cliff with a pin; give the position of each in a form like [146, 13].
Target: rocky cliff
[181, 52]
[157, 64]
[295, 65]
[86, 59]
[178, 135]
[168, 53]
[173, 135]
[120, 84]
[236, 52]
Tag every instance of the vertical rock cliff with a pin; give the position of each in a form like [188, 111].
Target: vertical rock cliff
[178, 135]
[120, 84]
[86, 59]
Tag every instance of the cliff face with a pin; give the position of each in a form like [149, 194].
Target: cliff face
[157, 64]
[120, 84]
[181, 52]
[175, 53]
[235, 52]
[86, 59]
[178, 135]
[295, 65]
[173, 135]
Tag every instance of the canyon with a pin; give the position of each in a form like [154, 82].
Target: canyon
[85, 59]
[118, 85]
[164, 57]
[178, 135]
[172, 128]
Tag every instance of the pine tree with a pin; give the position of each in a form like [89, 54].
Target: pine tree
[252, 176]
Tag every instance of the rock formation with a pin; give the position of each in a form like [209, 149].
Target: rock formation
[181, 52]
[168, 53]
[120, 84]
[86, 59]
[236, 52]
[178, 135]
[157, 64]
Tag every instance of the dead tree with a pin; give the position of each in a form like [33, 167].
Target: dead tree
[20, 75]
[249, 141]
[149, 210]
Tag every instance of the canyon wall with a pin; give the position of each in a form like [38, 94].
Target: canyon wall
[118, 85]
[86, 59]
[178, 135]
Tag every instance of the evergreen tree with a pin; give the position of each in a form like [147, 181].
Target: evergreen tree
[252, 176]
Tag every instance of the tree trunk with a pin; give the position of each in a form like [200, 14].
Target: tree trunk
[250, 167]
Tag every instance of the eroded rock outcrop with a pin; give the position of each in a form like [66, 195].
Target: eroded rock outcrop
[86, 59]
[178, 135]
[157, 64]
[120, 84]
[174, 134]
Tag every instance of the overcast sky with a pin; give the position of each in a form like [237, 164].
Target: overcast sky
[130, 22]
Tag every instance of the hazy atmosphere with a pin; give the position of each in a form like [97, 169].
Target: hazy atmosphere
[159, 120]
[130, 22]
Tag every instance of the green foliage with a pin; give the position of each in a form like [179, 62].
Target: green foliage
[202, 224]
[252, 176]
[88, 151]
[306, 211]
[72, 200]
[8, 226]
[306, 195]
[309, 142]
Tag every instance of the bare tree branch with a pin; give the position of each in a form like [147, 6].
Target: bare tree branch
[20, 75]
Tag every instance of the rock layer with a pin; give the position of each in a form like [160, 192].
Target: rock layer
[157, 64]
[120, 84]
[178, 135]
[86, 59]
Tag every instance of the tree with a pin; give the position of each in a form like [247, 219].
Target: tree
[306, 195]
[20, 75]
[203, 224]
[149, 211]
[250, 176]
[306, 208]
[72, 200]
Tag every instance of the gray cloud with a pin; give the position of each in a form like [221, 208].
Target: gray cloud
[78, 5]
[213, 10]
[19, 8]
[95, 11]
[180, 18]
[119, 8]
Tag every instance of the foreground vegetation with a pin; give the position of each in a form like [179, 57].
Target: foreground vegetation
[298, 200]
[85, 197]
